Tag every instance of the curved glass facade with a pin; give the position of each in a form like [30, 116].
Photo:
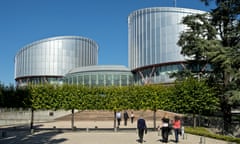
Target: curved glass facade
[156, 73]
[50, 59]
[100, 75]
[152, 38]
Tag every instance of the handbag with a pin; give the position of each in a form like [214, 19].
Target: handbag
[145, 130]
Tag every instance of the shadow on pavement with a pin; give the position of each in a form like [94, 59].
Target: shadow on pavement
[23, 135]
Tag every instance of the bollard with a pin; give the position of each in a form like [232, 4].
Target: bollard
[32, 131]
[115, 129]
[74, 128]
[202, 140]
[185, 136]
[182, 131]
[159, 132]
[87, 129]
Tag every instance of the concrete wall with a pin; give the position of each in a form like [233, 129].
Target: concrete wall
[10, 116]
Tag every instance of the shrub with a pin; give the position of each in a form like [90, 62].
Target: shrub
[204, 132]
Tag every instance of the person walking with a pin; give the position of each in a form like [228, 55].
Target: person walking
[165, 128]
[132, 117]
[126, 117]
[119, 117]
[177, 128]
[142, 128]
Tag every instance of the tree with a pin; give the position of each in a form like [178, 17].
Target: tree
[157, 97]
[225, 57]
[118, 98]
[216, 40]
[40, 97]
[193, 96]
[195, 42]
[69, 100]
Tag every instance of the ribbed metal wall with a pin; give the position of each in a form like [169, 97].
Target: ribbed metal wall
[153, 34]
[54, 57]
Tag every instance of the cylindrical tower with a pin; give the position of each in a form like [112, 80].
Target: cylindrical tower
[152, 39]
[48, 60]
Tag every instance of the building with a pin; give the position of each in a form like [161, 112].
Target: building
[100, 75]
[153, 52]
[48, 60]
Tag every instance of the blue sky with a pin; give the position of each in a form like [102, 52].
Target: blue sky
[105, 21]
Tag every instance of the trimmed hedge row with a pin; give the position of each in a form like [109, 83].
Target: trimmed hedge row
[204, 132]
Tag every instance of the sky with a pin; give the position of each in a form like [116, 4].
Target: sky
[104, 21]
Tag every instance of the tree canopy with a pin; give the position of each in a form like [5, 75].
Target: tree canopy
[214, 38]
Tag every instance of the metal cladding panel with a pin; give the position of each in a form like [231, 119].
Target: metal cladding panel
[99, 68]
[55, 56]
[153, 34]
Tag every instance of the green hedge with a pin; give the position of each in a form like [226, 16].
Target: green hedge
[204, 132]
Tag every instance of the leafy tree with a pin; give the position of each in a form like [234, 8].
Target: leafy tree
[20, 94]
[225, 56]
[8, 97]
[195, 42]
[194, 97]
[40, 97]
[158, 98]
[69, 99]
[214, 38]
[116, 99]
[11, 97]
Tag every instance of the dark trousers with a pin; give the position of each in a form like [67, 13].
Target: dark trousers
[132, 119]
[165, 131]
[140, 134]
[176, 133]
[125, 122]
[119, 121]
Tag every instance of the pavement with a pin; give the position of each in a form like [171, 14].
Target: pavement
[90, 132]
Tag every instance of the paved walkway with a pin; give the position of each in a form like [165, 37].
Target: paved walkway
[93, 137]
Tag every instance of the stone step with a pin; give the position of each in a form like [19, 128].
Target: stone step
[104, 115]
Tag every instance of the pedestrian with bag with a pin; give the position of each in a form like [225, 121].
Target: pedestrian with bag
[142, 128]
[165, 128]
[177, 128]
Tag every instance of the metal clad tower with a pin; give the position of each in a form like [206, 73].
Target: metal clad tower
[48, 60]
[152, 42]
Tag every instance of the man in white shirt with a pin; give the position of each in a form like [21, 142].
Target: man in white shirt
[119, 117]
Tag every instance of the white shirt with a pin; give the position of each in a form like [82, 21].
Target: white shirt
[118, 114]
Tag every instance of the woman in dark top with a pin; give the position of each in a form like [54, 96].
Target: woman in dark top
[125, 116]
[165, 128]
